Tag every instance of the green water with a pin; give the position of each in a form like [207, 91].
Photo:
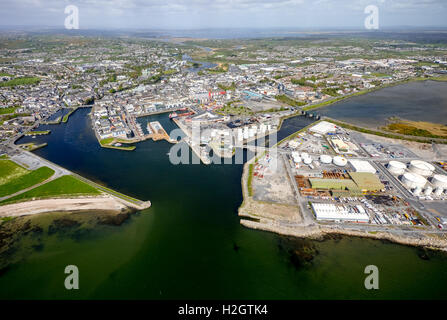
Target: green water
[185, 245]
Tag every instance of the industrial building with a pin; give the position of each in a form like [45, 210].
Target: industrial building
[366, 181]
[323, 128]
[340, 145]
[362, 166]
[360, 182]
[332, 212]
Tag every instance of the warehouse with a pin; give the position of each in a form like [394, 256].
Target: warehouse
[332, 212]
[323, 127]
[359, 182]
[362, 166]
[366, 181]
[340, 145]
[332, 184]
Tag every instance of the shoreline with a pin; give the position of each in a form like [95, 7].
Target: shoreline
[78, 204]
[321, 232]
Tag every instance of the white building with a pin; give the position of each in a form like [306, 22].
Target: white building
[362, 166]
[323, 127]
[332, 212]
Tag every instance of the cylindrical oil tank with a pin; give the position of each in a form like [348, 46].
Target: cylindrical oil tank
[397, 168]
[325, 159]
[340, 161]
[421, 167]
[417, 191]
[438, 191]
[307, 160]
[439, 180]
[428, 191]
[412, 180]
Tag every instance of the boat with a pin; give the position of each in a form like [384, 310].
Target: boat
[173, 115]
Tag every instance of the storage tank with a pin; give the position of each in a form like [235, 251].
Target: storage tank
[307, 160]
[340, 161]
[417, 191]
[421, 167]
[396, 168]
[428, 191]
[438, 191]
[413, 180]
[439, 180]
[296, 157]
[325, 159]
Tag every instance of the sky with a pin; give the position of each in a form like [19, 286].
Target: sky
[197, 14]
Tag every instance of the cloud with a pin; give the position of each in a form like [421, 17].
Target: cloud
[222, 13]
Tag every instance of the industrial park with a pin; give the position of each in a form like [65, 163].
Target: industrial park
[343, 181]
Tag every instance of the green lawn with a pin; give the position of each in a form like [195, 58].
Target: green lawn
[106, 141]
[20, 82]
[7, 110]
[9, 171]
[25, 181]
[63, 186]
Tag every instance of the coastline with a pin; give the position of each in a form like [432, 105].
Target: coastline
[78, 204]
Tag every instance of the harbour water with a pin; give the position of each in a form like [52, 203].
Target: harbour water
[190, 244]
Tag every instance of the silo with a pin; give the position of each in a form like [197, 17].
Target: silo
[396, 168]
[421, 167]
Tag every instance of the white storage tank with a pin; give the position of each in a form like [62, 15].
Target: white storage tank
[428, 191]
[412, 180]
[417, 191]
[325, 159]
[438, 191]
[307, 160]
[397, 168]
[421, 167]
[439, 180]
[340, 161]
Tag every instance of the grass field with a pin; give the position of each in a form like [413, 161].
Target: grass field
[9, 171]
[109, 143]
[20, 82]
[63, 186]
[25, 181]
[7, 110]
[418, 128]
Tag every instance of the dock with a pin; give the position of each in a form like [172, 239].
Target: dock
[156, 132]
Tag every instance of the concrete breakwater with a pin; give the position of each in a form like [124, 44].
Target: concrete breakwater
[436, 241]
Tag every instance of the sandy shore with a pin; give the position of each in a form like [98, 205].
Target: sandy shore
[57, 205]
